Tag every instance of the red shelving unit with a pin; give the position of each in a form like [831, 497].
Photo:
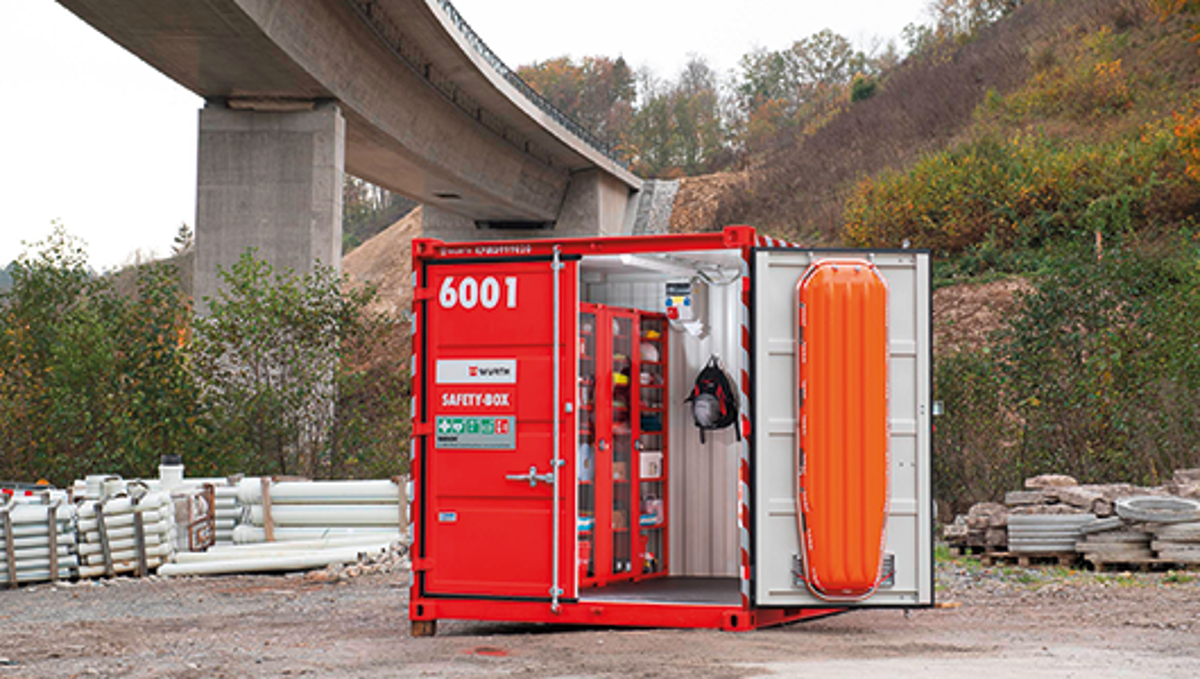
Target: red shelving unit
[622, 503]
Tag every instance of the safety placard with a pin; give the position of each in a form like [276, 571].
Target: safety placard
[476, 432]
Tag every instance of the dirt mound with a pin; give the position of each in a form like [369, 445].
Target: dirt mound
[964, 316]
[386, 261]
[699, 198]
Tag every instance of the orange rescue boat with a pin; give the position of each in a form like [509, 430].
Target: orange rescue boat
[842, 457]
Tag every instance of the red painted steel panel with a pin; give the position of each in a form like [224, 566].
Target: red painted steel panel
[842, 457]
[489, 391]
[728, 618]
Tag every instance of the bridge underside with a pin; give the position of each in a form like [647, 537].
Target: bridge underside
[400, 99]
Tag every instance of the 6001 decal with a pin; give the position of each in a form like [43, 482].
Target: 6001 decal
[470, 292]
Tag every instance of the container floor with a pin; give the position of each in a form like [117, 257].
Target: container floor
[677, 590]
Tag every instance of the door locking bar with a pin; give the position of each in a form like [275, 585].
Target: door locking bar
[532, 477]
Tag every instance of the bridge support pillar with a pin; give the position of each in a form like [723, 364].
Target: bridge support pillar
[269, 180]
[596, 205]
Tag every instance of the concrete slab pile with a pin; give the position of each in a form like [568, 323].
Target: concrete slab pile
[1108, 525]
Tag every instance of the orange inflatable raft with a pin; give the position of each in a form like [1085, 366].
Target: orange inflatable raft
[842, 456]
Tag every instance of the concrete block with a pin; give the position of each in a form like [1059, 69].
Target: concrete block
[1049, 481]
[1019, 498]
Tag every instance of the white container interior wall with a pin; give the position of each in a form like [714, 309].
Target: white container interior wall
[702, 512]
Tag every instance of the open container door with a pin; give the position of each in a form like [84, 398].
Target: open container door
[884, 493]
[497, 519]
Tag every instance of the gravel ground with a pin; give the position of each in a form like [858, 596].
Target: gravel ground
[1000, 622]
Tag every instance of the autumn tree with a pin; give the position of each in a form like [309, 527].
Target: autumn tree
[789, 88]
[597, 92]
[679, 128]
[368, 209]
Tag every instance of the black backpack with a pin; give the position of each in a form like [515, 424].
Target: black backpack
[714, 405]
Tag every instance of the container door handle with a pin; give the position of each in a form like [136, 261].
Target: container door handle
[532, 477]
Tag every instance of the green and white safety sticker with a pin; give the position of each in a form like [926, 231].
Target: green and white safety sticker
[476, 432]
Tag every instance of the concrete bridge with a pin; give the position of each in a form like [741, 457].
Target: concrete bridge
[399, 92]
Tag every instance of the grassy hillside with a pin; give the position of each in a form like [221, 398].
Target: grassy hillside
[1008, 138]
[1051, 163]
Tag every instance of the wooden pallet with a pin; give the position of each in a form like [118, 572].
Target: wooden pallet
[966, 550]
[1141, 565]
[1029, 559]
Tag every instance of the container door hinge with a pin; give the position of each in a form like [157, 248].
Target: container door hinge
[419, 565]
[423, 294]
[423, 429]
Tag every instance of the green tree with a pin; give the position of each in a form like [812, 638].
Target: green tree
[799, 86]
[91, 379]
[273, 356]
[679, 129]
[368, 209]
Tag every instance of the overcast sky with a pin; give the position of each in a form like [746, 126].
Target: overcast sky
[94, 138]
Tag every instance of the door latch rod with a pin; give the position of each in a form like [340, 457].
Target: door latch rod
[532, 477]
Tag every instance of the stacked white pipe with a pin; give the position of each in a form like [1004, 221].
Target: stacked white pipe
[272, 557]
[227, 509]
[43, 539]
[301, 525]
[294, 511]
[108, 525]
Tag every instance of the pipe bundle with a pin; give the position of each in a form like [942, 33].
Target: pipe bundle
[277, 557]
[129, 529]
[37, 540]
[226, 507]
[171, 479]
[288, 511]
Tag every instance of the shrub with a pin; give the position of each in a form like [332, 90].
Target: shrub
[91, 379]
[1101, 361]
[976, 434]
[1096, 375]
[274, 380]
[863, 87]
[273, 355]
[1025, 191]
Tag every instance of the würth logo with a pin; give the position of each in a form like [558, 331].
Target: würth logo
[477, 371]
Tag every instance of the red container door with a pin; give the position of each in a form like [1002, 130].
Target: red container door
[489, 382]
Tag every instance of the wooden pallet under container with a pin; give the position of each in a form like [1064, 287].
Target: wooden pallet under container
[1029, 559]
[1141, 565]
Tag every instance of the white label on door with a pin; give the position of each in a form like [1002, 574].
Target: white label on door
[482, 371]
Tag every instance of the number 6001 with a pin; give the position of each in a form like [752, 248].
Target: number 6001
[471, 293]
